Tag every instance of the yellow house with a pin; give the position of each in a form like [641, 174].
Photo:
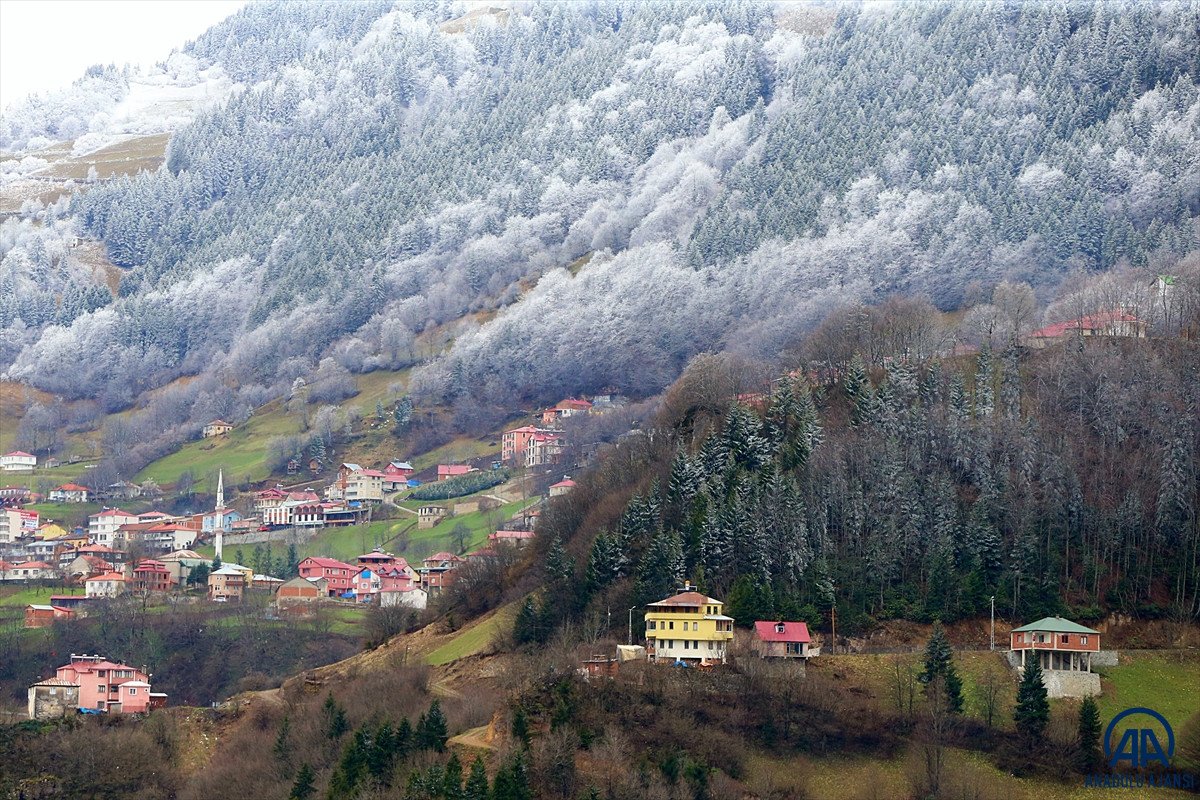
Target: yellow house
[688, 627]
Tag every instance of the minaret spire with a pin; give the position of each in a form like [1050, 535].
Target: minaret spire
[220, 507]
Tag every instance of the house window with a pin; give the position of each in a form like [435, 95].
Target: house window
[133, 690]
[685, 644]
[695, 645]
[1064, 639]
[695, 626]
[650, 625]
[671, 624]
[1083, 640]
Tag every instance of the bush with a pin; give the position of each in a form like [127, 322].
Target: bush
[462, 485]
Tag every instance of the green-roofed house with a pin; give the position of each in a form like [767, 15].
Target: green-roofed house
[1060, 643]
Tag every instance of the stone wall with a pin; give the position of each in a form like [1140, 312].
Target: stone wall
[1065, 683]
[1104, 658]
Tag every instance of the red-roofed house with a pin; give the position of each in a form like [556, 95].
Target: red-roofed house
[338, 575]
[396, 475]
[437, 571]
[69, 493]
[453, 470]
[105, 685]
[514, 443]
[562, 487]
[514, 538]
[152, 576]
[542, 449]
[1103, 323]
[18, 461]
[109, 584]
[567, 408]
[31, 571]
[782, 640]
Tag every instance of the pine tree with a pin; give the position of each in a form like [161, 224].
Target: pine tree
[1033, 709]
[431, 731]
[336, 724]
[525, 626]
[939, 662]
[477, 781]
[305, 785]
[859, 391]
[452, 779]
[283, 748]
[1089, 735]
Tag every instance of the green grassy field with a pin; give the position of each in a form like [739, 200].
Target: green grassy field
[1165, 681]
[473, 639]
[242, 454]
[19, 597]
[66, 514]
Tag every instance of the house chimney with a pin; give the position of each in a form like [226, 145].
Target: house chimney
[687, 586]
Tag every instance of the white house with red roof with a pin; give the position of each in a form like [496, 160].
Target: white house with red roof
[102, 526]
[108, 584]
[562, 487]
[783, 640]
[18, 461]
[566, 408]
[69, 493]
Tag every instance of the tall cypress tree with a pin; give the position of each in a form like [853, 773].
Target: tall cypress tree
[1033, 708]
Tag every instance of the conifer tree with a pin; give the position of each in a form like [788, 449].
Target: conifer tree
[452, 779]
[939, 662]
[283, 748]
[477, 781]
[431, 731]
[336, 724]
[305, 785]
[1033, 708]
[1089, 735]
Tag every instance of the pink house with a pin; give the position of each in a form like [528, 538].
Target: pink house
[107, 686]
[514, 443]
[396, 475]
[339, 576]
[514, 538]
[567, 408]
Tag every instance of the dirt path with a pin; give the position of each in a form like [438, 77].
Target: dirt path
[475, 737]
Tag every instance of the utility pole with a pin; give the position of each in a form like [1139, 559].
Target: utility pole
[833, 617]
[631, 623]
[994, 621]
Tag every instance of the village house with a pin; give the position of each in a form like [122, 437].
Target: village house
[301, 590]
[266, 583]
[1065, 650]
[562, 487]
[69, 493]
[1105, 323]
[152, 576]
[17, 461]
[122, 490]
[53, 698]
[437, 571]
[338, 575]
[221, 519]
[782, 640]
[447, 471]
[101, 685]
[515, 442]
[43, 616]
[689, 628]
[218, 427]
[108, 584]
[567, 408]
[429, 516]
[83, 567]
[227, 584]
[168, 537]
[31, 571]
[413, 597]
[16, 523]
[396, 475]
[40, 550]
[386, 563]
[102, 526]
[355, 484]
[109, 554]
[511, 538]
[268, 499]
[182, 563]
[49, 531]
[543, 449]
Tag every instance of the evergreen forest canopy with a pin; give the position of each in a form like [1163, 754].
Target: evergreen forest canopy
[731, 169]
[1060, 482]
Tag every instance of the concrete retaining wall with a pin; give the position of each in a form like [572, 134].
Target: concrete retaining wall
[1104, 658]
